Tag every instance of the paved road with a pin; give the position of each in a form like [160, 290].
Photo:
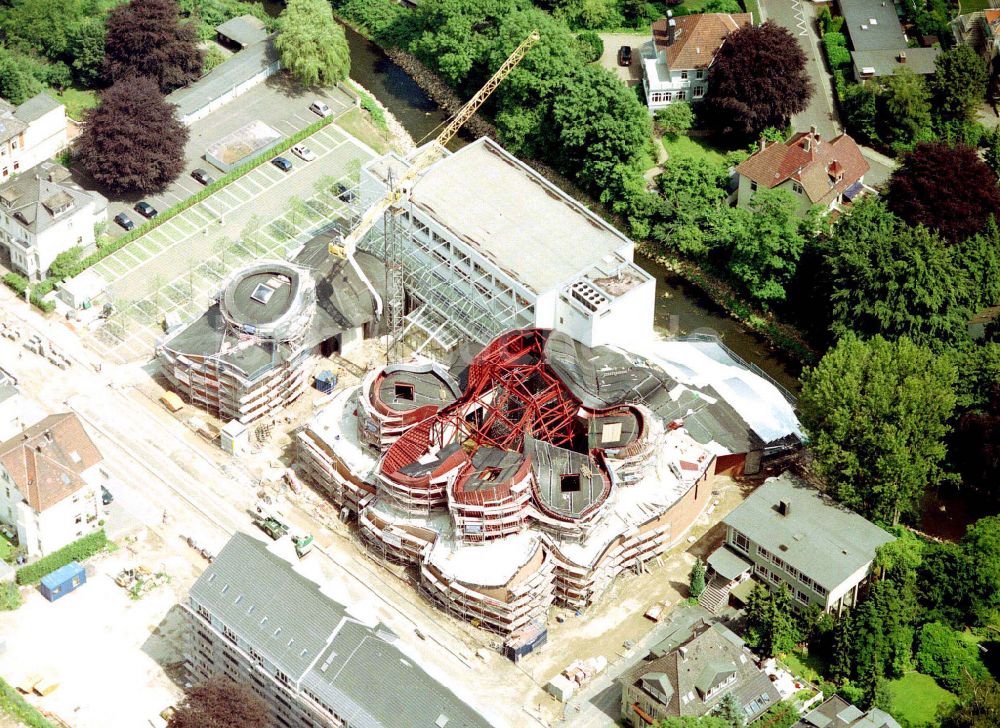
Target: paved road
[799, 18]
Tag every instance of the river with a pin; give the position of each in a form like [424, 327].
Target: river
[677, 300]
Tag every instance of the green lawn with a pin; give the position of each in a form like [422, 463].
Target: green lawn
[915, 698]
[356, 123]
[76, 101]
[804, 666]
[685, 146]
[971, 6]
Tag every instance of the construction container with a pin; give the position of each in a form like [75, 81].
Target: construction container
[63, 580]
[526, 641]
[235, 438]
[325, 381]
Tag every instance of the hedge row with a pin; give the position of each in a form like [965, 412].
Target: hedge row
[17, 283]
[12, 704]
[42, 289]
[79, 550]
[837, 55]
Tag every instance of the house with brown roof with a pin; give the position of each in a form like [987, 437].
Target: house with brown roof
[50, 484]
[815, 171]
[691, 676]
[675, 64]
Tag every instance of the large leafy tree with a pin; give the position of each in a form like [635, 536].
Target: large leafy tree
[947, 188]
[694, 194]
[877, 413]
[891, 279]
[132, 141]
[771, 627]
[943, 584]
[221, 703]
[958, 84]
[948, 657]
[980, 707]
[147, 38]
[312, 44]
[86, 47]
[904, 109]
[981, 546]
[758, 80]
[17, 84]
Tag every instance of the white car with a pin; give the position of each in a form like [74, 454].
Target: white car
[303, 152]
[318, 107]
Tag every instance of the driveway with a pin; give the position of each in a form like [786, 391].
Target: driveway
[632, 75]
[798, 16]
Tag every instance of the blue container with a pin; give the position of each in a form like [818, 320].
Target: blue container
[62, 581]
[325, 381]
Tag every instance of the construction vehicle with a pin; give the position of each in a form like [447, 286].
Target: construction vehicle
[303, 545]
[128, 576]
[399, 189]
[272, 527]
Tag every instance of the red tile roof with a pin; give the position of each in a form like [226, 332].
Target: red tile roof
[697, 38]
[810, 161]
[46, 460]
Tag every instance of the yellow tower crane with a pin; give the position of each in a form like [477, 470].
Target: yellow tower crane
[423, 158]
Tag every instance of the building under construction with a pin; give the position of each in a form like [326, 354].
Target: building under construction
[484, 244]
[544, 468]
[245, 357]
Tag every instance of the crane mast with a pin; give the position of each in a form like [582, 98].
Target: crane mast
[399, 188]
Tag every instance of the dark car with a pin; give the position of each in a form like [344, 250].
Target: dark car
[145, 209]
[124, 220]
[343, 194]
[202, 176]
[106, 496]
[281, 163]
[625, 56]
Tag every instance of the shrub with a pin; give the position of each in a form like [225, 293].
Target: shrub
[66, 263]
[79, 550]
[591, 45]
[10, 597]
[948, 657]
[213, 57]
[17, 283]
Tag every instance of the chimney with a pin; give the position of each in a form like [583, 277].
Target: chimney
[671, 31]
[806, 144]
[901, 57]
[683, 651]
[784, 508]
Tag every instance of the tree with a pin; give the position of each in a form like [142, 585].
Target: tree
[591, 45]
[890, 279]
[992, 155]
[146, 38]
[771, 627]
[927, 189]
[730, 710]
[67, 263]
[697, 578]
[86, 47]
[981, 546]
[221, 703]
[676, 118]
[958, 84]
[132, 141]
[860, 110]
[691, 721]
[312, 44]
[694, 193]
[980, 709]
[758, 80]
[948, 657]
[17, 85]
[876, 413]
[723, 6]
[942, 584]
[904, 109]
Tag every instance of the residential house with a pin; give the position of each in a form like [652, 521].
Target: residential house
[50, 484]
[30, 133]
[838, 713]
[692, 678]
[254, 618]
[979, 30]
[675, 65]
[43, 213]
[816, 172]
[879, 45]
[787, 532]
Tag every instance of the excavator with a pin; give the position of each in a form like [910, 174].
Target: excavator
[420, 161]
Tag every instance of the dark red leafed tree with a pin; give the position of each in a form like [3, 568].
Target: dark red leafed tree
[758, 80]
[132, 142]
[147, 38]
[945, 188]
[221, 703]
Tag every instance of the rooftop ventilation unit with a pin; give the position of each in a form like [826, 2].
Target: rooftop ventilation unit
[262, 293]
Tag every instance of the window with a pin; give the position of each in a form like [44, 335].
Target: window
[802, 596]
[78, 519]
[611, 432]
[796, 188]
[699, 74]
[699, 91]
[753, 186]
[229, 634]
[403, 392]
[741, 541]
[17, 166]
[569, 483]
[684, 75]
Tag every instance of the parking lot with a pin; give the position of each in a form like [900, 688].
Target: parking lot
[179, 265]
[276, 102]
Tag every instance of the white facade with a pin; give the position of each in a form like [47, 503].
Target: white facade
[663, 86]
[41, 134]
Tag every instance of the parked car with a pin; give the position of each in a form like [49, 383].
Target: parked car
[146, 210]
[202, 176]
[318, 107]
[124, 220]
[106, 496]
[281, 163]
[303, 152]
[343, 194]
[625, 56]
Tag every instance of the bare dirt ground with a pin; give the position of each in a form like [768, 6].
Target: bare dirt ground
[98, 642]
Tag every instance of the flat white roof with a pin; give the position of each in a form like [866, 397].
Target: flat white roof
[515, 217]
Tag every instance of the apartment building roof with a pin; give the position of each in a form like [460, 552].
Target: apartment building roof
[355, 668]
[824, 169]
[884, 62]
[872, 25]
[46, 461]
[696, 38]
[39, 197]
[795, 522]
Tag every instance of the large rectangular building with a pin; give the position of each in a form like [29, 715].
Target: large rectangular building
[253, 618]
[489, 245]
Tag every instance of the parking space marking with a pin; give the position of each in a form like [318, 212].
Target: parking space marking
[249, 185]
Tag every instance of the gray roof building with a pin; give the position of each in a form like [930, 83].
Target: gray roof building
[838, 713]
[326, 652]
[35, 108]
[242, 31]
[43, 195]
[884, 62]
[878, 43]
[809, 531]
